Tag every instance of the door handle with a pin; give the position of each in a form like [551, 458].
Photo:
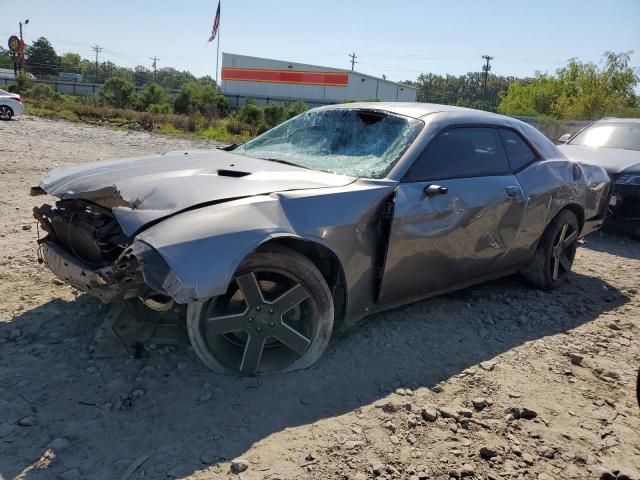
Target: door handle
[432, 190]
[512, 191]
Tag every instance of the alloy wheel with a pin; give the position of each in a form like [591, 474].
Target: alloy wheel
[564, 250]
[5, 112]
[265, 322]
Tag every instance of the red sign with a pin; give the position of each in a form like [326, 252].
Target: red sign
[329, 79]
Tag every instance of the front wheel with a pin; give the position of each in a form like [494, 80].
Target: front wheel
[276, 316]
[5, 112]
[554, 256]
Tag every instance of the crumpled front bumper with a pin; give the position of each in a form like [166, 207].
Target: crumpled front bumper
[77, 274]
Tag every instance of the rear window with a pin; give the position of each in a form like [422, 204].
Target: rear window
[518, 151]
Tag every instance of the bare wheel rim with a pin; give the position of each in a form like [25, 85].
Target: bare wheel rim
[564, 250]
[5, 112]
[266, 321]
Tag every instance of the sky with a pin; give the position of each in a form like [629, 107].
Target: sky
[397, 39]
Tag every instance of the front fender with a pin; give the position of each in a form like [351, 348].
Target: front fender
[232, 230]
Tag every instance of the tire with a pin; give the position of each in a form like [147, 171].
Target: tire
[552, 261]
[222, 329]
[6, 113]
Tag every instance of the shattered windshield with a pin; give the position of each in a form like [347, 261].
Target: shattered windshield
[358, 143]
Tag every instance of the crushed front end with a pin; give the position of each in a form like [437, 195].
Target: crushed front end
[85, 247]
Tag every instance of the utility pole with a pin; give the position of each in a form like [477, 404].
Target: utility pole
[155, 70]
[22, 63]
[96, 49]
[353, 60]
[486, 67]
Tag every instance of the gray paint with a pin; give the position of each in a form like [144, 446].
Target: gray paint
[436, 244]
[614, 160]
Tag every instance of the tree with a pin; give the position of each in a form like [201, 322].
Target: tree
[5, 59]
[117, 92]
[70, 62]
[578, 91]
[273, 115]
[141, 75]
[153, 94]
[41, 57]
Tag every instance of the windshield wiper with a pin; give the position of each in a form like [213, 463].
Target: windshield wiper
[285, 162]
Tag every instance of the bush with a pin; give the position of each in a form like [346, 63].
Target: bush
[40, 91]
[159, 108]
[273, 115]
[153, 94]
[250, 114]
[295, 108]
[237, 127]
[117, 92]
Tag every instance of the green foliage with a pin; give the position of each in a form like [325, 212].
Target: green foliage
[294, 108]
[117, 92]
[24, 82]
[70, 62]
[153, 94]
[204, 99]
[40, 91]
[464, 90]
[250, 114]
[159, 108]
[5, 59]
[41, 58]
[578, 91]
[273, 115]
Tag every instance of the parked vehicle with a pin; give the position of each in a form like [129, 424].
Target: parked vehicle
[614, 144]
[10, 105]
[335, 214]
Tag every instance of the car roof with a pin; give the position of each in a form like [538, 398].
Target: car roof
[618, 120]
[412, 109]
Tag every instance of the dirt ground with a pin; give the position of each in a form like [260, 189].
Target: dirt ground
[496, 381]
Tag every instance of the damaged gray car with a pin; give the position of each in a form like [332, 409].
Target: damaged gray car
[269, 247]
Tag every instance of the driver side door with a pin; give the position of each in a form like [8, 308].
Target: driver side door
[456, 216]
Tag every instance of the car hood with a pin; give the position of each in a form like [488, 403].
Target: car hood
[145, 189]
[613, 160]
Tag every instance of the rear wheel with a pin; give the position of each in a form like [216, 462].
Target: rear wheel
[6, 113]
[554, 256]
[276, 316]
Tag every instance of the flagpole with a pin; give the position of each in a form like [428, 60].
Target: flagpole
[218, 60]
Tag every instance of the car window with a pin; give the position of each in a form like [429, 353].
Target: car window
[621, 135]
[461, 152]
[518, 151]
[355, 142]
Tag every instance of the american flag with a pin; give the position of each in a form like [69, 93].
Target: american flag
[216, 24]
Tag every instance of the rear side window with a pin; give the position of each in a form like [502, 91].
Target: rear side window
[518, 151]
[459, 153]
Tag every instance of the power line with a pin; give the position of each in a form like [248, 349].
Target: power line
[353, 60]
[486, 67]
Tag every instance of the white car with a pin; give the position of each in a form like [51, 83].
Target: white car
[10, 105]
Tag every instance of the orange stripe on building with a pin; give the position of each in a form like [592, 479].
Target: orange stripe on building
[333, 79]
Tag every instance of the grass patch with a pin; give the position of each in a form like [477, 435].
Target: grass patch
[224, 130]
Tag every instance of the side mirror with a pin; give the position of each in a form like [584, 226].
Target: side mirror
[564, 138]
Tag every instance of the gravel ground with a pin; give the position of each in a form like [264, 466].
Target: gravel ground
[496, 381]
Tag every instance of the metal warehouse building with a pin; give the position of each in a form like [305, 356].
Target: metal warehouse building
[272, 81]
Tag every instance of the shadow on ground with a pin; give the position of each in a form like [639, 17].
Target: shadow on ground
[187, 414]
